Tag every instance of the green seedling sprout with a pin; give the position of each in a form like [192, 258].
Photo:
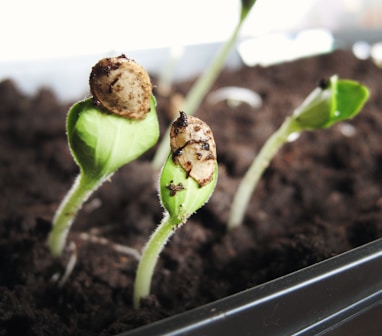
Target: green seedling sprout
[333, 101]
[205, 81]
[187, 181]
[105, 132]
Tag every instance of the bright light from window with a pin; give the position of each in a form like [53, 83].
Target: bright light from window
[361, 49]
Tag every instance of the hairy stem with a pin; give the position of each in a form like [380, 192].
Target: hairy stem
[81, 190]
[252, 176]
[150, 257]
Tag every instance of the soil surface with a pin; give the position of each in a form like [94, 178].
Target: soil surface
[322, 195]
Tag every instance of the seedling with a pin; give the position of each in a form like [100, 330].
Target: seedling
[105, 132]
[332, 101]
[205, 81]
[187, 181]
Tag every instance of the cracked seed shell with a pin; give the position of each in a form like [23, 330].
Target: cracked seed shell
[193, 147]
[121, 86]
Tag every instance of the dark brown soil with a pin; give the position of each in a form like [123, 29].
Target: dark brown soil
[322, 195]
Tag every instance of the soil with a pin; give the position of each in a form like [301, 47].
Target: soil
[321, 195]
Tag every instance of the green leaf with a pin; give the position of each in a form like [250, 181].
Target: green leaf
[340, 99]
[180, 194]
[349, 99]
[101, 142]
[315, 111]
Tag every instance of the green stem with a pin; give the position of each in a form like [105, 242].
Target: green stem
[252, 176]
[197, 93]
[201, 87]
[82, 188]
[150, 257]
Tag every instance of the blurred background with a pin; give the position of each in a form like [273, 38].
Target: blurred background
[54, 43]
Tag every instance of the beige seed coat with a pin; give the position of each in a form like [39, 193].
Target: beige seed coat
[193, 147]
[121, 86]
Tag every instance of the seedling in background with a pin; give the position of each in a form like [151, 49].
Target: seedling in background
[205, 81]
[187, 181]
[333, 101]
[105, 132]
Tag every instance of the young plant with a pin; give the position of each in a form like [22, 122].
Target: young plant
[105, 132]
[187, 181]
[205, 81]
[333, 101]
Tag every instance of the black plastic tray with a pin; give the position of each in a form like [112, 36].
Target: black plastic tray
[339, 296]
